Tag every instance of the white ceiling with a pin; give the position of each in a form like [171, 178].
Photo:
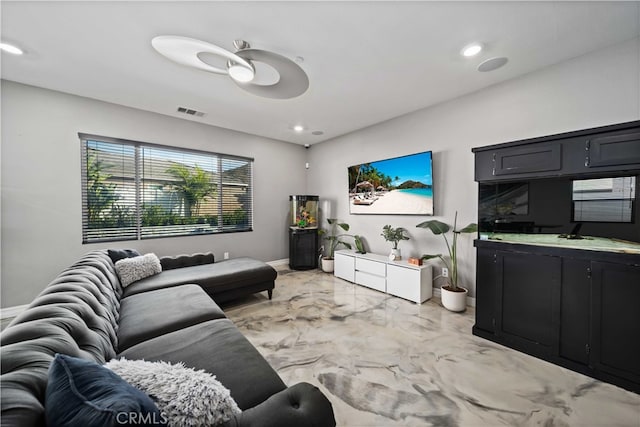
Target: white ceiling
[367, 62]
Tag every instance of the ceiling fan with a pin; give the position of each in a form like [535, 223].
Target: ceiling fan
[291, 80]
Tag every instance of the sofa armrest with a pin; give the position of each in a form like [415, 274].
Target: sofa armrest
[180, 261]
[301, 405]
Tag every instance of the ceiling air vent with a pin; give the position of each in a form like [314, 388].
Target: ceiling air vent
[190, 112]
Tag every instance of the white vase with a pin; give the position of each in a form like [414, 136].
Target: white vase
[327, 265]
[395, 255]
[454, 301]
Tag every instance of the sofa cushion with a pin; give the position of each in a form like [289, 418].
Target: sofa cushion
[216, 277]
[82, 393]
[148, 315]
[181, 261]
[219, 348]
[186, 397]
[133, 269]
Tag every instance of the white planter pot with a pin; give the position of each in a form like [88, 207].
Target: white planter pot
[327, 265]
[454, 301]
[395, 255]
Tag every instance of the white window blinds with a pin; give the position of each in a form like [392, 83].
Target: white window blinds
[134, 190]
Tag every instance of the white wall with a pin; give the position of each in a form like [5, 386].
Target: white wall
[41, 197]
[593, 90]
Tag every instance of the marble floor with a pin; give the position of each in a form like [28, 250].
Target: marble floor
[384, 361]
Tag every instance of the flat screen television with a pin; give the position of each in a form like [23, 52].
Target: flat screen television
[396, 186]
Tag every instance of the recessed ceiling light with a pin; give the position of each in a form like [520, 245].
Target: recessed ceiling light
[471, 50]
[9, 48]
[298, 128]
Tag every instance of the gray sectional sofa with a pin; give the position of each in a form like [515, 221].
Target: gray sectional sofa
[86, 313]
[223, 280]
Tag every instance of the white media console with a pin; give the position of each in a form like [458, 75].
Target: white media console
[399, 278]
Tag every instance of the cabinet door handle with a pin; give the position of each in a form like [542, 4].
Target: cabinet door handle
[493, 172]
[587, 147]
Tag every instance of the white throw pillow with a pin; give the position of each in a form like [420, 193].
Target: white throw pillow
[185, 397]
[133, 269]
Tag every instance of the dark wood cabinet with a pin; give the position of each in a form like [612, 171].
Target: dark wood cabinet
[614, 148]
[615, 335]
[576, 308]
[620, 148]
[486, 300]
[528, 292]
[303, 248]
[527, 158]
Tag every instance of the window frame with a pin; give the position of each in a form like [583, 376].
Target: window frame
[218, 158]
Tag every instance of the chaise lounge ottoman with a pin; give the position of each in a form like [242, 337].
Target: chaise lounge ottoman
[222, 281]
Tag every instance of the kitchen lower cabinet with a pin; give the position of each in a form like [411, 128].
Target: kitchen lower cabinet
[528, 291]
[575, 308]
[615, 323]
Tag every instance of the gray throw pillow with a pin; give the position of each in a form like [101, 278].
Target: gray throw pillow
[133, 269]
[186, 397]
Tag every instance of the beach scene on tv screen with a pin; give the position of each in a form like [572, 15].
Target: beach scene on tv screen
[402, 185]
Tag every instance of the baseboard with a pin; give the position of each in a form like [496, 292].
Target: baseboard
[278, 262]
[471, 301]
[10, 312]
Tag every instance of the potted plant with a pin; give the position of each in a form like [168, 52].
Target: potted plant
[454, 297]
[333, 241]
[394, 235]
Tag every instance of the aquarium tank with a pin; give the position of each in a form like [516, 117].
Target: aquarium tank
[304, 211]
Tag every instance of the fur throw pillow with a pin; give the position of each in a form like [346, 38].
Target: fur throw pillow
[186, 397]
[133, 269]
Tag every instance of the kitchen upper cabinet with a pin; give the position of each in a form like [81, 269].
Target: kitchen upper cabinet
[612, 148]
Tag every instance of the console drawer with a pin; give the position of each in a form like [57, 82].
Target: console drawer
[379, 283]
[371, 267]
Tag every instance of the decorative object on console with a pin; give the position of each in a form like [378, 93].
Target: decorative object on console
[394, 235]
[291, 80]
[397, 186]
[186, 397]
[453, 297]
[334, 240]
[415, 261]
[359, 244]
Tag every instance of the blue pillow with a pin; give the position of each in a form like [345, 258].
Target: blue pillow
[83, 393]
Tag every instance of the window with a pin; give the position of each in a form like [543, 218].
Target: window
[604, 199]
[133, 190]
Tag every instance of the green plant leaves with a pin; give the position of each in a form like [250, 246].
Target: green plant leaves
[342, 225]
[437, 227]
[471, 228]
